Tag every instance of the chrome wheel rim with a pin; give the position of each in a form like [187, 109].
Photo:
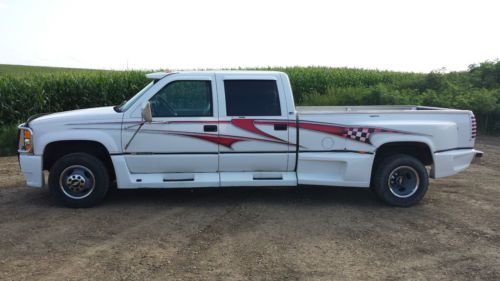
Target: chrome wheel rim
[77, 181]
[403, 181]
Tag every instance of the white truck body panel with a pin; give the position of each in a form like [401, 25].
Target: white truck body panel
[333, 146]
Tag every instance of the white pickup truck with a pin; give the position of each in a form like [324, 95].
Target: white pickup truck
[241, 128]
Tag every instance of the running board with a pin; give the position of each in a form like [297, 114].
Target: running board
[125, 179]
[177, 180]
[258, 179]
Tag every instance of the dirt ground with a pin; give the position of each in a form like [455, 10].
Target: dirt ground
[258, 234]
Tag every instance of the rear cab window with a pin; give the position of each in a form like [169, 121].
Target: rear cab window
[252, 97]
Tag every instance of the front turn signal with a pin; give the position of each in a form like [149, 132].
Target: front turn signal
[25, 140]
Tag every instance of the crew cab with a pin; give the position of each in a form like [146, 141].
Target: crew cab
[241, 128]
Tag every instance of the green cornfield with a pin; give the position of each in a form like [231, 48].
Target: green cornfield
[25, 91]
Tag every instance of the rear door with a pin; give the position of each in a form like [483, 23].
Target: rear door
[253, 127]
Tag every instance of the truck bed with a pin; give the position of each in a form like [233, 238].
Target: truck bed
[368, 109]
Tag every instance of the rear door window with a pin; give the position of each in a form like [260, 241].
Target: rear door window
[252, 98]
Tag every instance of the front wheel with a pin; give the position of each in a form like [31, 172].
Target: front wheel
[400, 180]
[78, 180]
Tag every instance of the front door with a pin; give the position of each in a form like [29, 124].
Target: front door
[182, 140]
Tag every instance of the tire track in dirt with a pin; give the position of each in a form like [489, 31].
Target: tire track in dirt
[197, 256]
[76, 263]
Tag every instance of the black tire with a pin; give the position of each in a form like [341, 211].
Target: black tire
[78, 180]
[400, 180]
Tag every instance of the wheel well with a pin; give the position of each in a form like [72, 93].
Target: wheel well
[55, 150]
[419, 150]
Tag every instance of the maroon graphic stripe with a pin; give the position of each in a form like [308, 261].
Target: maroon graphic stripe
[249, 125]
[355, 133]
[225, 140]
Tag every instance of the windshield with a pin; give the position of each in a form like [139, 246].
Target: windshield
[137, 96]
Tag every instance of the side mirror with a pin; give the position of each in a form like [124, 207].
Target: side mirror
[146, 113]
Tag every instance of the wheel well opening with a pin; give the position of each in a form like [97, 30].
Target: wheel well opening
[55, 150]
[419, 150]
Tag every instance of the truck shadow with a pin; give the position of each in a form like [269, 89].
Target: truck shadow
[304, 195]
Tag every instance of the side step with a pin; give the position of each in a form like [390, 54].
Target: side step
[258, 179]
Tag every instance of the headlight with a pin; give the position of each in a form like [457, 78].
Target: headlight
[25, 140]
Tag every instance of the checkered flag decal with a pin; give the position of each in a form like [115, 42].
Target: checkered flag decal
[359, 134]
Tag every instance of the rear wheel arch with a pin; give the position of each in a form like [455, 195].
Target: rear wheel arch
[56, 150]
[420, 150]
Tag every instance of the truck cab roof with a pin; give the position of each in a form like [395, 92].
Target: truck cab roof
[160, 75]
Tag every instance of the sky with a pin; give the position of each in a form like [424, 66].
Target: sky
[404, 35]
